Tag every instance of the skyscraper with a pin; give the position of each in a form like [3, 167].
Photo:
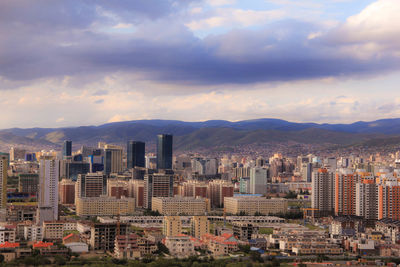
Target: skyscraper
[345, 192]
[164, 151]
[323, 191]
[135, 154]
[157, 185]
[112, 159]
[48, 188]
[67, 148]
[258, 180]
[3, 180]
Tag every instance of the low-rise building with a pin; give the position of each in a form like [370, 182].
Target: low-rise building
[179, 246]
[180, 205]
[327, 249]
[251, 205]
[104, 206]
[244, 231]
[33, 232]
[132, 246]
[7, 234]
[221, 245]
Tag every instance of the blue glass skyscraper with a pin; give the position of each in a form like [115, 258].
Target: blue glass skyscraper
[164, 151]
[67, 148]
[135, 154]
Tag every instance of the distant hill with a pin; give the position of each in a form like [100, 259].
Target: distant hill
[192, 135]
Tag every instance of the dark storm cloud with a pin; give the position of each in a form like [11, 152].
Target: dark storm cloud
[42, 39]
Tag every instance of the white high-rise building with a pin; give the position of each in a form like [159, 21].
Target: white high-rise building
[3, 181]
[49, 170]
[258, 180]
[323, 191]
[367, 200]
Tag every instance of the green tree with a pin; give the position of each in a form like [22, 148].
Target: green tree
[161, 248]
[244, 248]
[59, 260]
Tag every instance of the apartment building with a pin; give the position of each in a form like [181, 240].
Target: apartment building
[250, 205]
[104, 206]
[180, 205]
[172, 226]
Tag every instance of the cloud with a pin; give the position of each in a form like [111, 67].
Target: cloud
[73, 41]
[100, 93]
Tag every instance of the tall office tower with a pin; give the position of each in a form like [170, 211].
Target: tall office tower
[157, 185]
[164, 151]
[3, 181]
[91, 185]
[172, 226]
[67, 149]
[306, 172]
[135, 154]
[199, 226]
[48, 188]
[258, 180]
[218, 190]
[66, 191]
[389, 201]
[112, 159]
[345, 192]
[323, 192]
[367, 199]
[70, 168]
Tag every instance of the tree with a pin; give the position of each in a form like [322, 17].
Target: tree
[255, 256]
[59, 260]
[244, 248]
[291, 195]
[161, 248]
[151, 213]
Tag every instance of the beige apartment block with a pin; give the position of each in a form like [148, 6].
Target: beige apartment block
[251, 205]
[104, 206]
[180, 205]
[200, 226]
[172, 226]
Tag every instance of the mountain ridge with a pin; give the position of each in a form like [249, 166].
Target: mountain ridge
[211, 133]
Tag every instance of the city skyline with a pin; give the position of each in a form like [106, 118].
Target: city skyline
[335, 61]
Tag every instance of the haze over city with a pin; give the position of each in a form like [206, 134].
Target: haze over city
[72, 63]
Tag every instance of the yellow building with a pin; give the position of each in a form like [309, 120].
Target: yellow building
[180, 205]
[200, 226]
[172, 226]
[251, 205]
[104, 206]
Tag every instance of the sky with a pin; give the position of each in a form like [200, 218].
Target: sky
[89, 62]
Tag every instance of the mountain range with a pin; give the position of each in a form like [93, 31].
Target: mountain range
[213, 133]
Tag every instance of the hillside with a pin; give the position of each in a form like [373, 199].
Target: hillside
[192, 135]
